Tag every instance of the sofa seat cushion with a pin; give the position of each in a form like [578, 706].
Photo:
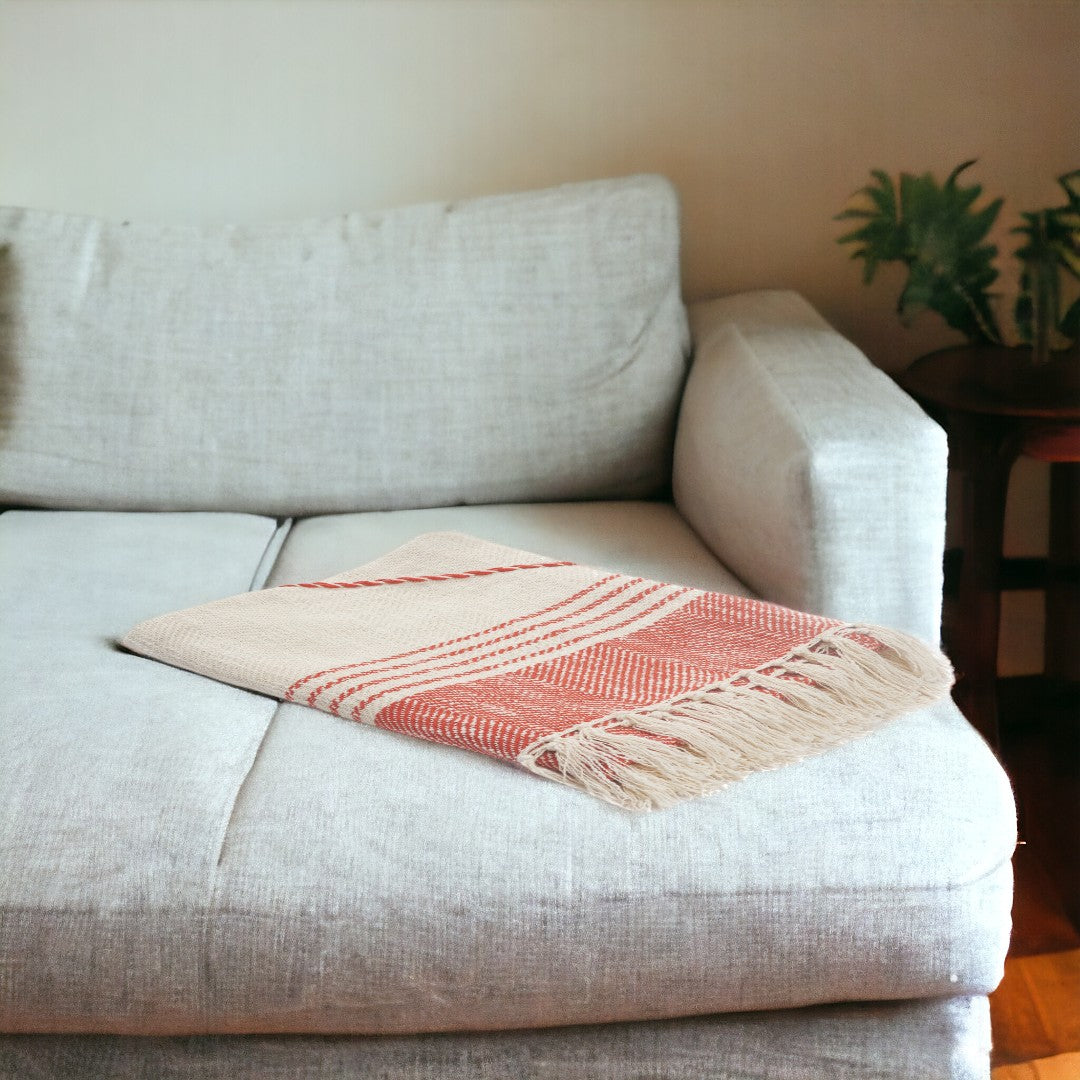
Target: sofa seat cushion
[944, 1038]
[370, 883]
[117, 777]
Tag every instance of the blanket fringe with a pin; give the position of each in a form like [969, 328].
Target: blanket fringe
[843, 684]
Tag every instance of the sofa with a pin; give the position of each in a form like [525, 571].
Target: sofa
[199, 881]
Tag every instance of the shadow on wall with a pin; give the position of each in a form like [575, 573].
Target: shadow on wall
[8, 372]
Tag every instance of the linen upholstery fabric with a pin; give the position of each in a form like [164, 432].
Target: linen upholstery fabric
[943, 1039]
[809, 472]
[519, 347]
[117, 779]
[459, 894]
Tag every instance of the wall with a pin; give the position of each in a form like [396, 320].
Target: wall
[767, 114]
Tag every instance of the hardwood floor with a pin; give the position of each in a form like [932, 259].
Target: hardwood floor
[1036, 1011]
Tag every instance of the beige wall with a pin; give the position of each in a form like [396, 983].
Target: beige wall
[766, 114]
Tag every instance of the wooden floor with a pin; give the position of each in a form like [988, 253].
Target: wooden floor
[1036, 1011]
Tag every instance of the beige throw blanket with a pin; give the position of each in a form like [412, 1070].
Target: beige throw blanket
[639, 692]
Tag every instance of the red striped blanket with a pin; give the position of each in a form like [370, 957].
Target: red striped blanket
[639, 692]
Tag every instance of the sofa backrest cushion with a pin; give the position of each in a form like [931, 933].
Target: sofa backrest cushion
[512, 348]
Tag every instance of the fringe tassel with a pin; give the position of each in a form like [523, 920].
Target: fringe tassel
[847, 682]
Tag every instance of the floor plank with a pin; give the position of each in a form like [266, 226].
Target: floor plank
[1035, 1013]
[1040, 921]
[1059, 1067]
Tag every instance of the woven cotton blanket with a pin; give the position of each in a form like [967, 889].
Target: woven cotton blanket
[638, 692]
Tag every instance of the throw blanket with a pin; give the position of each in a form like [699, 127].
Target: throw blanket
[635, 691]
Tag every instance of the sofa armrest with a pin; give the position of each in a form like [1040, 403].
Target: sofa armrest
[806, 470]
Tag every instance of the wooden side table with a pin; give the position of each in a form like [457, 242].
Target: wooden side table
[996, 405]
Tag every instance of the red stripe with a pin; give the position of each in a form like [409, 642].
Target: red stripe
[357, 709]
[290, 692]
[486, 644]
[559, 629]
[455, 576]
[701, 644]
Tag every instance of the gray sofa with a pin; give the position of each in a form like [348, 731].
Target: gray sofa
[197, 881]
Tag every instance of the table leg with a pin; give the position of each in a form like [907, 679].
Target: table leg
[984, 449]
[1063, 578]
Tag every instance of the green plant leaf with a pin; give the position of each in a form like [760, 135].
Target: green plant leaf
[933, 230]
[1050, 256]
[880, 238]
[952, 267]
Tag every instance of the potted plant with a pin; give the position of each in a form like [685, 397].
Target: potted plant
[938, 233]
